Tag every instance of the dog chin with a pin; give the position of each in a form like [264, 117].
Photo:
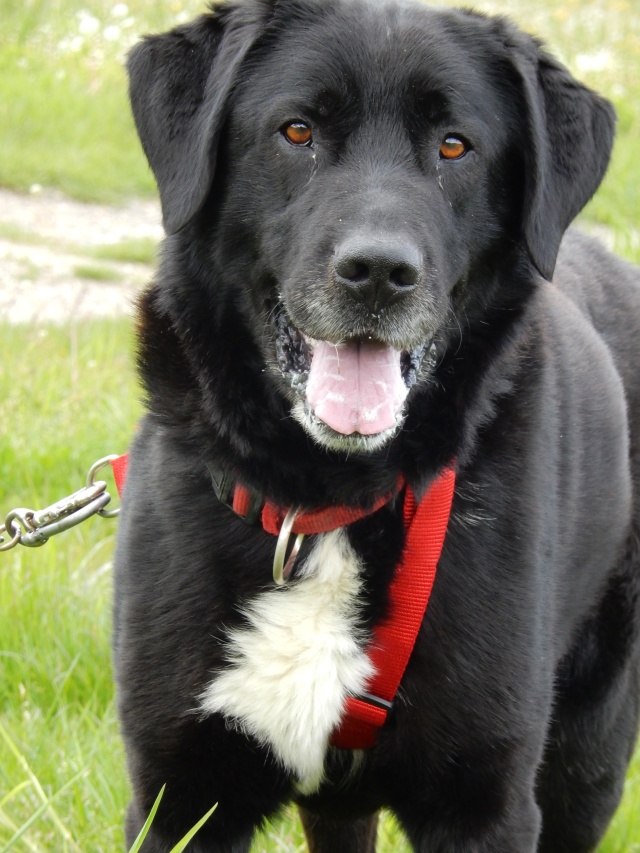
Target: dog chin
[355, 442]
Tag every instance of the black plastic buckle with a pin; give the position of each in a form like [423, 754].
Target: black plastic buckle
[224, 488]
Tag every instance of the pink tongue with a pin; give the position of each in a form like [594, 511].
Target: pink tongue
[356, 387]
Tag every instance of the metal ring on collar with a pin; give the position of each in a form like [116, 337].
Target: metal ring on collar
[91, 476]
[282, 569]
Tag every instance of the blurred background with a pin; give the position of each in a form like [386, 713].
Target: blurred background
[79, 230]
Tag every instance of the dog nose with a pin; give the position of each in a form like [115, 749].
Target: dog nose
[376, 271]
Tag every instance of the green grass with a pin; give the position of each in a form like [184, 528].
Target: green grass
[63, 107]
[68, 398]
[140, 251]
[66, 126]
[15, 234]
[93, 272]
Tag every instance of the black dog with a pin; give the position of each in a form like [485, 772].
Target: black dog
[364, 205]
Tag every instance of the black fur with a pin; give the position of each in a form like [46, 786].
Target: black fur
[518, 711]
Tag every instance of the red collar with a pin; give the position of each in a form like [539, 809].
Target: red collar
[393, 639]
[314, 521]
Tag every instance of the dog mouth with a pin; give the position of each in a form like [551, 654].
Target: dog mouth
[354, 388]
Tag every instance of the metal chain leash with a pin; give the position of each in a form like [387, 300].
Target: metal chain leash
[32, 528]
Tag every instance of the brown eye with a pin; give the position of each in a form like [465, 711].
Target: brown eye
[453, 148]
[298, 133]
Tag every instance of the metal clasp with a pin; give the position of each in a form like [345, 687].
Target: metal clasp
[32, 528]
[91, 476]
[282, 569]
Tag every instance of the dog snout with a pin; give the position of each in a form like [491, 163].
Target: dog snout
[377, 271]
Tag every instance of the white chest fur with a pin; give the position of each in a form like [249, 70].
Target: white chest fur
[291, 668]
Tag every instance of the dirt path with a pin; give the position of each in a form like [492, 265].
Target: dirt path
[47, 273]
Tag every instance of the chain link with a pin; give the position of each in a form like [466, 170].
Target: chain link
[32, 528]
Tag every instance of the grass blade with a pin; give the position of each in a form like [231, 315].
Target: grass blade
[14, 792]
[184, 841]
[180, 846]
[137, 844]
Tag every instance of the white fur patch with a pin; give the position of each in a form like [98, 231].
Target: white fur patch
[291, 669]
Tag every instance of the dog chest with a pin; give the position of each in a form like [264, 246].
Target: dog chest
[291, 666]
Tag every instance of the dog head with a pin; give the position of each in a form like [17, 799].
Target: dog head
[363, 178]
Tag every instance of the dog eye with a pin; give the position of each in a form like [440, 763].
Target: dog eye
[298, 133]
[453, 148]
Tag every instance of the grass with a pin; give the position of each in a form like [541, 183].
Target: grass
[15, 234]
[141, 250]
[68, 396]
[66, 125]
[134, 251]
[63, 108]
[93, 272]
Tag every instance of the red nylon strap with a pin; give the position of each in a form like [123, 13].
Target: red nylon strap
[241, 500]
[119, 468]
[394, 638]
[315, 521]
[320, 520]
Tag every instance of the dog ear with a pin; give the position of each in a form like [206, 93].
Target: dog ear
[570, 132]
[179, 86]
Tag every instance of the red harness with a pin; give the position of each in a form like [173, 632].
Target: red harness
[394, 637]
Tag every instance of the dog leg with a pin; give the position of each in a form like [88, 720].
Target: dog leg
[157, 841]
[332, 836]
[202, 764]
[583, 777]
[457, 827]
[595, 720]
